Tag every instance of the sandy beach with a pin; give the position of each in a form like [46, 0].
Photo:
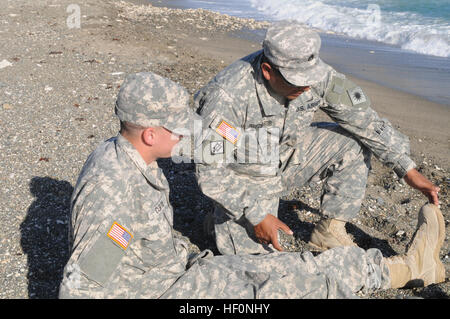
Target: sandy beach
[58, 85]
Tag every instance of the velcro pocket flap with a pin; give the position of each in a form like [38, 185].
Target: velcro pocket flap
[102, 259]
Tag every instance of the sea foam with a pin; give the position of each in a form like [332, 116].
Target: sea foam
[407, 30]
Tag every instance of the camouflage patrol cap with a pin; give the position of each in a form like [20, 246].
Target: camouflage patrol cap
[150, 100]
[294, 49]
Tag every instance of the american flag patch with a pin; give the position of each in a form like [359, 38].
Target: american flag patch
[120, 235]
[228, 132]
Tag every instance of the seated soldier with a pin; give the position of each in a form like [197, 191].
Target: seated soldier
[122, 238]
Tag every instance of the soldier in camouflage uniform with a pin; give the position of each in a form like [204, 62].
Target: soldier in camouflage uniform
[263, 143]
[122, 239]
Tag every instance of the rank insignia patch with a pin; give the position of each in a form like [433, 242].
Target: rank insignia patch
[356, 95]
[227, 131]
[216, 147]
[120, 235]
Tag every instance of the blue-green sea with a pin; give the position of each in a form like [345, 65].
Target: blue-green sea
[421, 26]
[402, 44]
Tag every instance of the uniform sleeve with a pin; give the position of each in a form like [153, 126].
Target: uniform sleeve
[87, 209]
[348, 105]
[95, 251]
[219, 176]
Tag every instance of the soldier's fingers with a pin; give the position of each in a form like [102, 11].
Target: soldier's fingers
[285, 228]
[276, 244]
[432, 194]
[434, 198]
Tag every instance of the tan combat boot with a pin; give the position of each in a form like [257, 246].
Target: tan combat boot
[420, 266]
[330, 233]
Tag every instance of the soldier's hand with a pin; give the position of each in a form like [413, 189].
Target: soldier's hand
[267, 231]
[421, 183]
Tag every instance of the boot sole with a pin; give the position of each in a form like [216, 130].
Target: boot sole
[440, 269]
[439, 272]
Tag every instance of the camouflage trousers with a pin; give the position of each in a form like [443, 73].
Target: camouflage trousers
[327, 153]
[336, 273]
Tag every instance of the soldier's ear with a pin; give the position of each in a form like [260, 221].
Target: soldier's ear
[148, 136]
[266, 70]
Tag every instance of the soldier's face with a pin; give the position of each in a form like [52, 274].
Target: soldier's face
[166, 140]
[279, 85]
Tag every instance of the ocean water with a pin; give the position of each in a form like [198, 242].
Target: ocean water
[401, 44]
[421, 26]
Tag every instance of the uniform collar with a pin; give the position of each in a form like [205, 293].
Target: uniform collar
[151, 172]
[271, 102]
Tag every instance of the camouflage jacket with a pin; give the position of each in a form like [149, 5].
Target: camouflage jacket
[123, 246]
[121, 229]
[238, 97]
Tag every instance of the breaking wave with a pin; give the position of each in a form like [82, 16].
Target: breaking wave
[426, 32]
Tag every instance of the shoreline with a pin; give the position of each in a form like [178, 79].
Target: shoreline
[407, 71]
[57, 99]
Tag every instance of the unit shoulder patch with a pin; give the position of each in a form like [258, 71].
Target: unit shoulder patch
[356, 95]
[343, 92]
